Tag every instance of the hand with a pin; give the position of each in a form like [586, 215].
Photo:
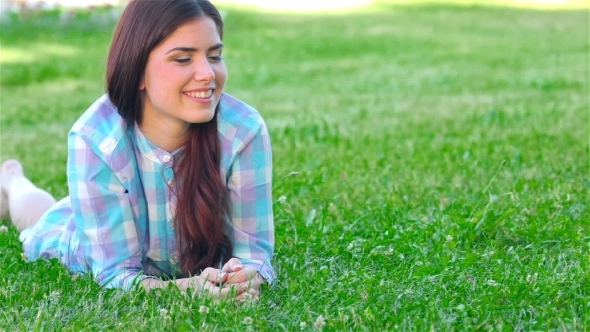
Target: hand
[210, 280]
[218, 283]
[233, 265]
[232, 277]
[245, 279]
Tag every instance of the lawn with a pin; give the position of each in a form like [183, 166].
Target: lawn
[431, 167]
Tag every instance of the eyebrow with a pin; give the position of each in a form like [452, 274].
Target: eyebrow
[192, 49]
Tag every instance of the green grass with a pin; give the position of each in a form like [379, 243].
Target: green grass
[442, 169]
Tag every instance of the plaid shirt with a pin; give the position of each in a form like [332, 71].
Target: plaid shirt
[117, 221]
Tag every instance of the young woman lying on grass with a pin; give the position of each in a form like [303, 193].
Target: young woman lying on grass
[169, 177]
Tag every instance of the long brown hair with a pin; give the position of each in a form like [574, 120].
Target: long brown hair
[202, 200]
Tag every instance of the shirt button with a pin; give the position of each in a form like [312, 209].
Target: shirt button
[166, 158]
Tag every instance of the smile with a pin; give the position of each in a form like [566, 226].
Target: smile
[199, 94]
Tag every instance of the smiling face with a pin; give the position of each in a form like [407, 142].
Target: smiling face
[183, 78]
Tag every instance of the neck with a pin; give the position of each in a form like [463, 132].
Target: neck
[167, 135]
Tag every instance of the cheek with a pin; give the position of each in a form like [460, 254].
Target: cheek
[161, 80]
[221, 74]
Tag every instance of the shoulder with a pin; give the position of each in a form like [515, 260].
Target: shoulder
[101, 126]
[242, 132]
[237, 120]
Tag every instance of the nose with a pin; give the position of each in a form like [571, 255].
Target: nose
[204, 71]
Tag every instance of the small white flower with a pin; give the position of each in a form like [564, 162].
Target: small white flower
[332, 208]
[203, 309]
[3, 229]
[303, 325]
[449, 238]
[319, 322]
[492, 282]
[248, 320]
[163, 312]
[282, 199]
[53, 294]
[533, 277]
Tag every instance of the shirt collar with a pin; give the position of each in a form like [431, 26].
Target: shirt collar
[151, 151]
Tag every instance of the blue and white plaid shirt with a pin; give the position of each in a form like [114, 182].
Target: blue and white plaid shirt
[117, 221]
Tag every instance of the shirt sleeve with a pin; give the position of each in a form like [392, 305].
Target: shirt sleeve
[108, 240]
[250, 187]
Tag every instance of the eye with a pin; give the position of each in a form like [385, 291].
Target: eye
[183, 59]
[216, 57]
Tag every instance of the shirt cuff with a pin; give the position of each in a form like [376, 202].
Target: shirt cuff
[265, 270]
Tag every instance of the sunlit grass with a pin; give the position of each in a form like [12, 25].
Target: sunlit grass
[530, 4]
[35, 52]
[301, 5]
[340, 5]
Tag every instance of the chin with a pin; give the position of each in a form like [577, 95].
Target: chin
[201, 118]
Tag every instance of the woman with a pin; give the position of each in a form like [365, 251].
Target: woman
[169, 177]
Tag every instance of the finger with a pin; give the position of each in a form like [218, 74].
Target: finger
[252, 284]
[212, 289]
[236, 265]
[243, 275]
[214, 275]
[237, 288]
[233, 290]
[233, 265]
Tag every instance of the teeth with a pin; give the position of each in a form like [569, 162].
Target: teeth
[200, 94]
